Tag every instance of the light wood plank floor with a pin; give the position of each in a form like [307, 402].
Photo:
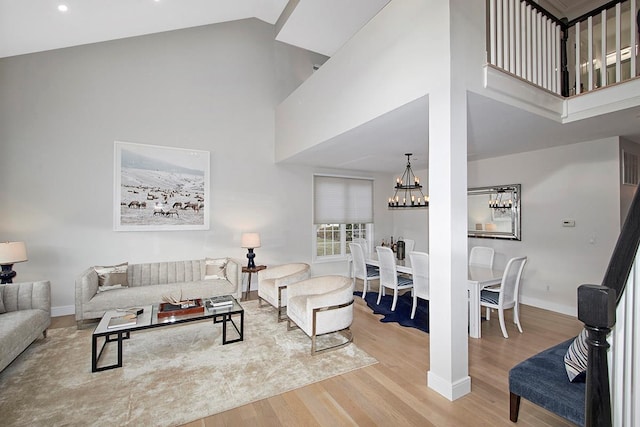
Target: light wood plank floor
[393, 392]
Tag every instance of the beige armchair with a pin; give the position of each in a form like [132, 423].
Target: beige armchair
[273, 282]
[322, 305]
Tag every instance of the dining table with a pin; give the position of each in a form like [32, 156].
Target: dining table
[478, 278]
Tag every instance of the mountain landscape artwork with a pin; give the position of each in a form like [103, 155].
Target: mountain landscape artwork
[160, 188]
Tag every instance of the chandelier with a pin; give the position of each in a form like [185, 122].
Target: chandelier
[500, 202]
[408, 192]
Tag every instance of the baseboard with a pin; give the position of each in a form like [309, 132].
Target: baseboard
[451, 391]
[64, 310]
[549, 305]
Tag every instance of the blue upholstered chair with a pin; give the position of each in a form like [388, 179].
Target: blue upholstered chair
[542, 379]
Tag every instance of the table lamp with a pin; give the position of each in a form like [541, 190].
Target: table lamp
[251, 241]
[10, 253]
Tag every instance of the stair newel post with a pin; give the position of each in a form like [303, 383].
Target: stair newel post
[597, 310]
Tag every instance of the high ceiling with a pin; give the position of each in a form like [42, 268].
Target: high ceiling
[28, 26]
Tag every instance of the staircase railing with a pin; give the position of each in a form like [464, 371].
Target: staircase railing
[594, 50]
[597, 309]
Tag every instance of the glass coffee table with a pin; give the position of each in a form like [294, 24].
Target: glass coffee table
[149, 319]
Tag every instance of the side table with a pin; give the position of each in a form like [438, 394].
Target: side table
[250, 271]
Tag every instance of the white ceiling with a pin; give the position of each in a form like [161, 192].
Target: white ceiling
[28, 26]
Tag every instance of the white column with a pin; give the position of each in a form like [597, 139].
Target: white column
[449, 361]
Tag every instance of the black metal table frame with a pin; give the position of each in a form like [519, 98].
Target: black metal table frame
[120, 335]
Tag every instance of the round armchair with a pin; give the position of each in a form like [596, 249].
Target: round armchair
[322, 305]
[273, 282]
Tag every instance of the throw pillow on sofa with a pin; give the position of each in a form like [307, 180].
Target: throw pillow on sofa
[112, 277]
[215, 268]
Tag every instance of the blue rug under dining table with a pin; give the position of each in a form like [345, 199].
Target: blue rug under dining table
[402, 314]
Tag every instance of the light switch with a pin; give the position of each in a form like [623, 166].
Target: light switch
[568, 223]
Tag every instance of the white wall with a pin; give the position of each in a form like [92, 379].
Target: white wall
[376, 71]
[211, 88]
[579, 182]
[626, 191]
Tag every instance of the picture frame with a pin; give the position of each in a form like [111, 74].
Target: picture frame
[158, 188]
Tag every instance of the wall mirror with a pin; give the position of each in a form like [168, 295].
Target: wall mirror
[494, 212]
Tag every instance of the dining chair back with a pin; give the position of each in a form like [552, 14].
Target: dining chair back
[364, 244]
[420, 275]
[507, 295]
[361, 270]
[482, 256]
[389, 277]
[409, 245]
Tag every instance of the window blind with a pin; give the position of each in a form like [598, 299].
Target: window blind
[340, 200]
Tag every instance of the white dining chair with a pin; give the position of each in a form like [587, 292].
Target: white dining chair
[389, 277]
[409, 245]
[420, 276]
[481, 256]
[507, 295]
[361, 270]
[365, 245]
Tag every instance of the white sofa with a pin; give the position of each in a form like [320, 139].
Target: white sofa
[149, 282]
[25, 315]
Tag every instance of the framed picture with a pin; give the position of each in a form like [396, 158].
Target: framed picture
[160, 188]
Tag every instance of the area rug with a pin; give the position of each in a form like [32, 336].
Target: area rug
[402, 314]
[170, 376]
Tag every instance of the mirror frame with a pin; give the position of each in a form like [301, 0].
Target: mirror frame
[515, 233]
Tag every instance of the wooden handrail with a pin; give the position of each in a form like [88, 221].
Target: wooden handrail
[625, 250]
[596, 309]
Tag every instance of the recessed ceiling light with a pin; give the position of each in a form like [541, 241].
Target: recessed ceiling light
[63, 8]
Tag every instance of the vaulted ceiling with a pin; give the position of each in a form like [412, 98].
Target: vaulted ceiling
[28, 26]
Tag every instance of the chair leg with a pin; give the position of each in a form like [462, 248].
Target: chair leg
[488, 314]
[415, 305]
[395, 299]
[280, 308]
[516, 317]
[502, 325]
[380, 294]
[514, 407]
[365, 285]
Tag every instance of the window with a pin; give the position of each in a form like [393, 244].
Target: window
[332, 240]
[343, 211]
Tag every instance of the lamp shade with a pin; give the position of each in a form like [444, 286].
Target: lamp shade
[12, 252]
[250, 240]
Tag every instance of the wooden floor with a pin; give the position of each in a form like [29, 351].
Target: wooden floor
[393, 392]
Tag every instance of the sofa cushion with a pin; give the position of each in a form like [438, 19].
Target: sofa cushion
[2, 309]
[160, 273]
[112, 277]
[575, 359]
[215, 268]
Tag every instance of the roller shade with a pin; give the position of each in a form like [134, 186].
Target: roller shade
[339, 200]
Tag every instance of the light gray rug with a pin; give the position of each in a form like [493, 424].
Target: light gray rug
[170, 376]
